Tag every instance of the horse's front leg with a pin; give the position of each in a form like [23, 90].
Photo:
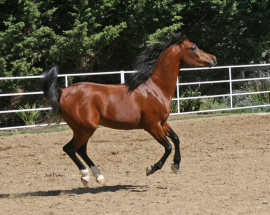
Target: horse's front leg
[173, 136]
[158, 133]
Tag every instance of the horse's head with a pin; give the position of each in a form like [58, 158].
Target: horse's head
[193, 56]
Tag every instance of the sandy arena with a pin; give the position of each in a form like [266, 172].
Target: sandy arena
[225, 169]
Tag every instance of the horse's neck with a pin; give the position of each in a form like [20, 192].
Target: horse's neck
[166, 71]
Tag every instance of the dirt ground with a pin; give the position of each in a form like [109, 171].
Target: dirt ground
[225, 169]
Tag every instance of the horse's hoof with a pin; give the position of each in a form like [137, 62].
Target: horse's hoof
[101, 180]
[149, 170]
[85, 180]
[174, 168]
[85, 176]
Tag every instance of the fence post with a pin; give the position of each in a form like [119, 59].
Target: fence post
[178, 95]
[231, 92]
[66, 81]
[122, 76]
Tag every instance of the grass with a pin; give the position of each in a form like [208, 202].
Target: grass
[35, 131]
[206, 115]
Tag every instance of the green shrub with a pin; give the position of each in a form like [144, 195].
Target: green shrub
[174, 107]
[255, 86]
[213, 103]
[190, 104]
[29, 117]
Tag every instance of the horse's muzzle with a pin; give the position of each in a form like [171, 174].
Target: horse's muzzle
[213, 62]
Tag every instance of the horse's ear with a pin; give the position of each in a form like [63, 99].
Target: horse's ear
[182, 38]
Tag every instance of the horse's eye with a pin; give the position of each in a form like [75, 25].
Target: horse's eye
[193, 48]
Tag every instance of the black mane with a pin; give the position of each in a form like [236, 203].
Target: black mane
[145, 62]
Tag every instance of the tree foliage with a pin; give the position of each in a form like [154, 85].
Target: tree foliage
[78, 35]
[236, 31]
[106, 35]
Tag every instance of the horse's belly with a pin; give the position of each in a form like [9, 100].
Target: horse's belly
[119, 125]
[121, 119]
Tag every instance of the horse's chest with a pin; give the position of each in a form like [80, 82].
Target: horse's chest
[160, 107]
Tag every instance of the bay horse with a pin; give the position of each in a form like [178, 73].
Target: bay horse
[143, 102]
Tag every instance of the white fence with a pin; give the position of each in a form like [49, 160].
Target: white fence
[178, 98]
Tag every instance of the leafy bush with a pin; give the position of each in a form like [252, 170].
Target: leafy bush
[254, 99]
[29, 117]
[255, 86]
[249, 100]
[174, 107]
[213, 103]
[190, 104]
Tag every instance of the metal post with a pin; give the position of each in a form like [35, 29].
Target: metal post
[178, 95]
[231, 92]
[122, 77]
[66, 81]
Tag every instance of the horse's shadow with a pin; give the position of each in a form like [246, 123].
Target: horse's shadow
[78, 191]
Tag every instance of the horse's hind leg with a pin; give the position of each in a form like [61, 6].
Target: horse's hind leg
[173, 136]
[78, 145]
[158, 133]
[96, 172]
[70, 150]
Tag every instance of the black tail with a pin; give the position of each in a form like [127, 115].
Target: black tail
[52, 91]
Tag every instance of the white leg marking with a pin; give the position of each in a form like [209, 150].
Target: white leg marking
[85, 176]
[97, 174]
[95, 171]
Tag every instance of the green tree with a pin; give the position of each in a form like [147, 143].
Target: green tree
[237, 32]
[80, 35]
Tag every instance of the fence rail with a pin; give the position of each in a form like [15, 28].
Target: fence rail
[122, 74]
